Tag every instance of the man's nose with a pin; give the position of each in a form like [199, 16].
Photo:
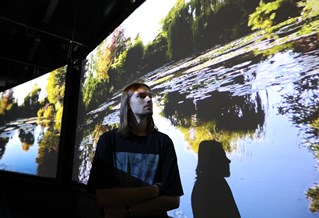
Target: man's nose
[148, 98]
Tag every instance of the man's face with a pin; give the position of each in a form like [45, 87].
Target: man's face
[141, 102]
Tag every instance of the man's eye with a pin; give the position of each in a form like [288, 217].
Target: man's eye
[144, 95]
[141, 95]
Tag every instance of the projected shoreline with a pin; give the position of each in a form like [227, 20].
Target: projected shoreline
[250, 86]
[30, 125]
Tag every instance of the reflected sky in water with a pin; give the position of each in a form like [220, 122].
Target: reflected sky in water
[269, 174]
[272, 170]
[15, 158]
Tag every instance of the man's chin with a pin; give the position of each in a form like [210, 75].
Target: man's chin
[147, 114]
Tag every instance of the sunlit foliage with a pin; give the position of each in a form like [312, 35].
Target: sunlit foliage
[155, 54]
[56, 85]
[264, 15]
[127, 64]
[268, 16]
[103, 64]
[58, 119]
[52, 107]
[7, 101]
[177, 27]
[310, 8]
[313, 195]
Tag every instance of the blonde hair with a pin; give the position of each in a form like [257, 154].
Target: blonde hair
[124, 127]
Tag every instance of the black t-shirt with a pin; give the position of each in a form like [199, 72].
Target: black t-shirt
[135, 161]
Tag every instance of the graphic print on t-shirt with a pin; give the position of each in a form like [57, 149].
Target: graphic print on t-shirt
[140, 166]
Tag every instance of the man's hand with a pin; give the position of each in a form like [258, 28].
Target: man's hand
[157, 189]
[118, 212]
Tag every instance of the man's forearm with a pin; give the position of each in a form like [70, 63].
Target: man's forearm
[151, 207]
[155, 206]
[118, 197]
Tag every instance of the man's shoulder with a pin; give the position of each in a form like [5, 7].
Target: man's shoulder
[110, 132]
[160, 134]
[109, 135]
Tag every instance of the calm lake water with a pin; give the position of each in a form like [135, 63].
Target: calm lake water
[272, 167]
[21, 150]
[28, 148]
[259, 108]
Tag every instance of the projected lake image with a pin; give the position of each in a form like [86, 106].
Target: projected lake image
[256, 94]
[30, 125]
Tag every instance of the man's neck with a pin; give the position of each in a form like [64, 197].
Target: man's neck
[139, 126]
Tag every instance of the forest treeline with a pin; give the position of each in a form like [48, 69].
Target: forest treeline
[190, 28]
[49, 108]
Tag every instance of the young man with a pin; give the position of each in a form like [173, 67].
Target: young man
[134, 171]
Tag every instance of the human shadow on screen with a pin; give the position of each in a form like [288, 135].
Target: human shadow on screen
[211, 195]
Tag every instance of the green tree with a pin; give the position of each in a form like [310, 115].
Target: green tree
[104, 64]
[31, 103]
[119, 43]
[270, 14]
[103, 61]
[88, 89]
[177, 28]
[155, 54]
[313, 195]
[8, 107]
[127, 65]
[56, 85]
[133, 59]
[54, 102]
[310, 8]
[6, 101]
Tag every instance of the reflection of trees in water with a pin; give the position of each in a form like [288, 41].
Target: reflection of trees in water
[302, 107]
[3, 143]
[232, 113]
[26, 138]
[178, 109]
[313, 195]
[82, 165]
[220, 116]
[84, 154]
[48, 154]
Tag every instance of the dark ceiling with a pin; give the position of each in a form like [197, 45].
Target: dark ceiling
[38, 36]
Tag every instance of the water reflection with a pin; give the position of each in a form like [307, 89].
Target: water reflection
[212, 196]
[28, 147]
[301, 106]
[26, 137]
[3, 143]
[47, 157]
[219, 115]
